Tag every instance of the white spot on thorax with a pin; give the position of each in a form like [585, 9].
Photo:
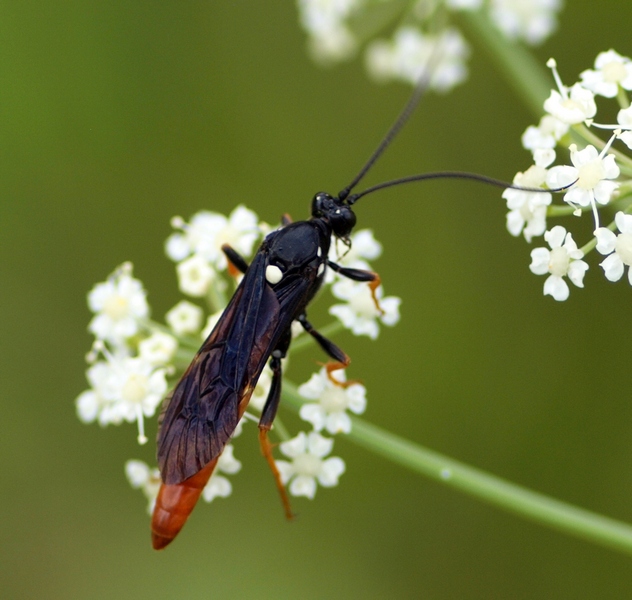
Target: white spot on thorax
[273, 274]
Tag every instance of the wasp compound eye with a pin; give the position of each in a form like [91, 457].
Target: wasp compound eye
[342, 221]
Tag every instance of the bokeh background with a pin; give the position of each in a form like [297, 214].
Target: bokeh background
[116, 116]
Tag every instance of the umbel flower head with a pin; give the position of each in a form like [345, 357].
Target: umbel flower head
[592, 183]
[135, 360]
[429, 32]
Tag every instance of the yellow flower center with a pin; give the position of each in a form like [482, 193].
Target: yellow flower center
[307, 464]
[334, 399]
[559, 262]
[135, 388]
[591, 174]
[116, 307]
[623, 246]
[614, 72]
[363, 305]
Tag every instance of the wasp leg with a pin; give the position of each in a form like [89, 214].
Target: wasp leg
[267, 417]
[341, 359]
[235, 260]
[361, 275]
[286, 219]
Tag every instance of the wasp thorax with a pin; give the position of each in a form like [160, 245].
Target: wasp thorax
[335, 212]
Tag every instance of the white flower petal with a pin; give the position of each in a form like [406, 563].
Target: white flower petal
[612, 267]
[606, 240]
[555, 286]
[318, 445]
[576, 272]
[539, 261]
[333, 468]
[303, 485]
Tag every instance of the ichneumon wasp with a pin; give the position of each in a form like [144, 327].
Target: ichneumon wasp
[201, 414]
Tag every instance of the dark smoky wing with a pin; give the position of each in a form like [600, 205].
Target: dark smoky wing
[187, 440]
[211, 396]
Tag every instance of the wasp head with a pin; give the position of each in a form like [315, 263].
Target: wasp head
[335, 212]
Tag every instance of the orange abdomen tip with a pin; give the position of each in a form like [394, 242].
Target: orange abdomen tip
[174, 504]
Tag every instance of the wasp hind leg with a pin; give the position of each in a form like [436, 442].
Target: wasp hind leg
[267, 418]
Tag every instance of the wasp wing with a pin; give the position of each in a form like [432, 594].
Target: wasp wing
[213, 393]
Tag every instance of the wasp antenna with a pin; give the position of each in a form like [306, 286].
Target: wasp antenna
[411, 105]
[452, 175]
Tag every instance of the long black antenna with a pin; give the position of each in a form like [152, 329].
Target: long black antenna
[418, 92]
[353, 198]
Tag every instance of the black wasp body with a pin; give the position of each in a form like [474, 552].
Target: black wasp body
[206, 405]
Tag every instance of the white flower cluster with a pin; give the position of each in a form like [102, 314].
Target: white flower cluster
[132, 355]
[329, 395]
[337, 29]
[594, 182]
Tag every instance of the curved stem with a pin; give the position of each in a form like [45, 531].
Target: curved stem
[521, 69]
[477, 483]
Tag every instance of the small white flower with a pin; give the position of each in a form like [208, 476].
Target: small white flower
[219, 486]
[527, 210]
[184, 318]
[592, 171]
[546, 135]
[124, 388]
[571, 109]
[531, 21]
[91, 403]
[158, 349]
[119, 303]
[450, 70]
[408, 55]
[336, 45]
[330, 39]
[208, 231]
[140, 476]
[321, 16]
[624, 118]
[360, 313]
[195, 276]
[307, 453]
[618, 247]
[332, 402]
[562, 260]
[611, 71]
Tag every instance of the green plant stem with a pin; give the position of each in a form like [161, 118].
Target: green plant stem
[522, 70]
[484, 486]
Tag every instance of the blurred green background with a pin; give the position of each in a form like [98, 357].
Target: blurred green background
[115, 116]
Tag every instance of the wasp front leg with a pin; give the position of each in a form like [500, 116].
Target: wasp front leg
[236, 262]
[372, 278]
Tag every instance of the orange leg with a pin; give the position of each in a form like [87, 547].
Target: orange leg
[266, 450]
[373, 285]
